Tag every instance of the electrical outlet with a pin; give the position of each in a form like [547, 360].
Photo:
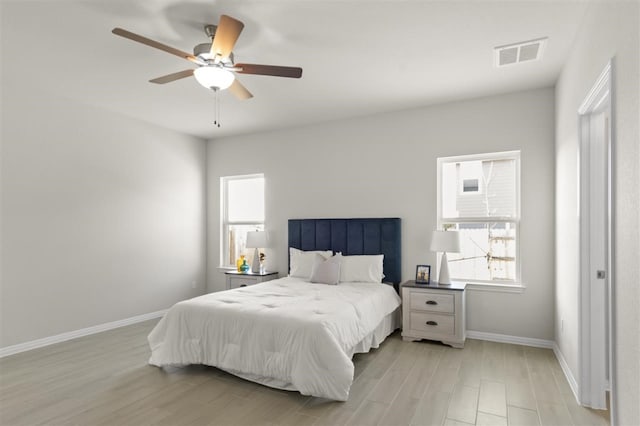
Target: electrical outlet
[194, 284]
[562, 325]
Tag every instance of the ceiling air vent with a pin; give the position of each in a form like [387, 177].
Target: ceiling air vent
[519, 52]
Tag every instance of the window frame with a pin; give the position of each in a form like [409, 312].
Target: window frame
[225, 223]
[442, 221]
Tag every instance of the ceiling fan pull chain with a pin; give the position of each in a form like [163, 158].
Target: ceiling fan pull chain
[216, 108]
[218, 105]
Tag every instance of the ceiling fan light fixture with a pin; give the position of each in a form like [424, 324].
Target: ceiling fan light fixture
[214, 77]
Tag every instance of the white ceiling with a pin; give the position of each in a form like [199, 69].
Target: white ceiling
[360, 57]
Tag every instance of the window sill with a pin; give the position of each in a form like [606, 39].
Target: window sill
[497, 288]
[226, 268]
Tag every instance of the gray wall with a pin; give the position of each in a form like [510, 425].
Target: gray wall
[102, 216]
[385, 165]
[610, 30]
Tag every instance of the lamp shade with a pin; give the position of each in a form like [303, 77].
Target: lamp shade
[214, 77]
[445, 241]
[257, 239]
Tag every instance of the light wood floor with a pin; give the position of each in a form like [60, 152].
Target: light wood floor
[104, 379]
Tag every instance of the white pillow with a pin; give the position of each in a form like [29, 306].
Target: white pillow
[301, 262]
[366, 268]
[326, 271]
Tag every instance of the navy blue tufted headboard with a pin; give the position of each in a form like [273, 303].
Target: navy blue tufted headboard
[352, 237]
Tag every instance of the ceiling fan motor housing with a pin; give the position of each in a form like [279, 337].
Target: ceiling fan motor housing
[210, 30]
[201, 48]
[203, 51]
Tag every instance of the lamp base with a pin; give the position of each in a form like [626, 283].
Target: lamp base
[444, 271]
[255, 266]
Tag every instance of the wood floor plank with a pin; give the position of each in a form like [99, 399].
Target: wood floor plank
[451, 358]
[236, 413]
[321, 407]
[520, 394]
[451, 422]
[369, 413]
[389, 386]
[335, 417]
[493, 362]
[431, 409]
[400, 412]
[522, 417]
[544, 387]
[420, 375]
[515, 363]
[493, 398]
[133, 414]
[537, 359]
[296, 419]
[485, 419]
[470, 372]
[554, 414]
[464, 404]
[443, 380]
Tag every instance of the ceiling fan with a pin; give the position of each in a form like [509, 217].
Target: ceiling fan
[215, 59]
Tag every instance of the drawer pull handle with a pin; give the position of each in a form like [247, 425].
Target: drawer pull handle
[431, 302]
[432, 323]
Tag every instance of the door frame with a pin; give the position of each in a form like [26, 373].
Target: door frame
[590, 387]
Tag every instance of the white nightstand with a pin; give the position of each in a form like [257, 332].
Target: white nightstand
[434, 312]
[237, 279]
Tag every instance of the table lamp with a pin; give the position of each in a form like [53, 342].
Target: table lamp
[445, 241]
[257, 239]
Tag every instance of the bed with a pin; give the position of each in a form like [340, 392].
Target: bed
[290, 333]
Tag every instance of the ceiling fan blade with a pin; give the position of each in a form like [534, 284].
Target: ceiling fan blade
[172, 77]
[140, 39]
[292, 72]
[227, 34]
[239, 91]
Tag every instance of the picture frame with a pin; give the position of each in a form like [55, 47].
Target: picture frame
[423, 274]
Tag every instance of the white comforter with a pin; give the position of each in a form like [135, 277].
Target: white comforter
[286, 333]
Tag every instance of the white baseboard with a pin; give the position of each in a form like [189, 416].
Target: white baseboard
[516, 340]
[46, 341]
[573, 384]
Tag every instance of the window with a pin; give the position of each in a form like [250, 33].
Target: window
[479, 196]
[242, 199]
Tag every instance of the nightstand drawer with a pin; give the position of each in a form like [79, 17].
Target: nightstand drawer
[242, 281]
[432, 302]
[237, 279]
[432, 323]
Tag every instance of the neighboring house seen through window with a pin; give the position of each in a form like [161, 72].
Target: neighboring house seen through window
[479, 196]
[242, 199]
